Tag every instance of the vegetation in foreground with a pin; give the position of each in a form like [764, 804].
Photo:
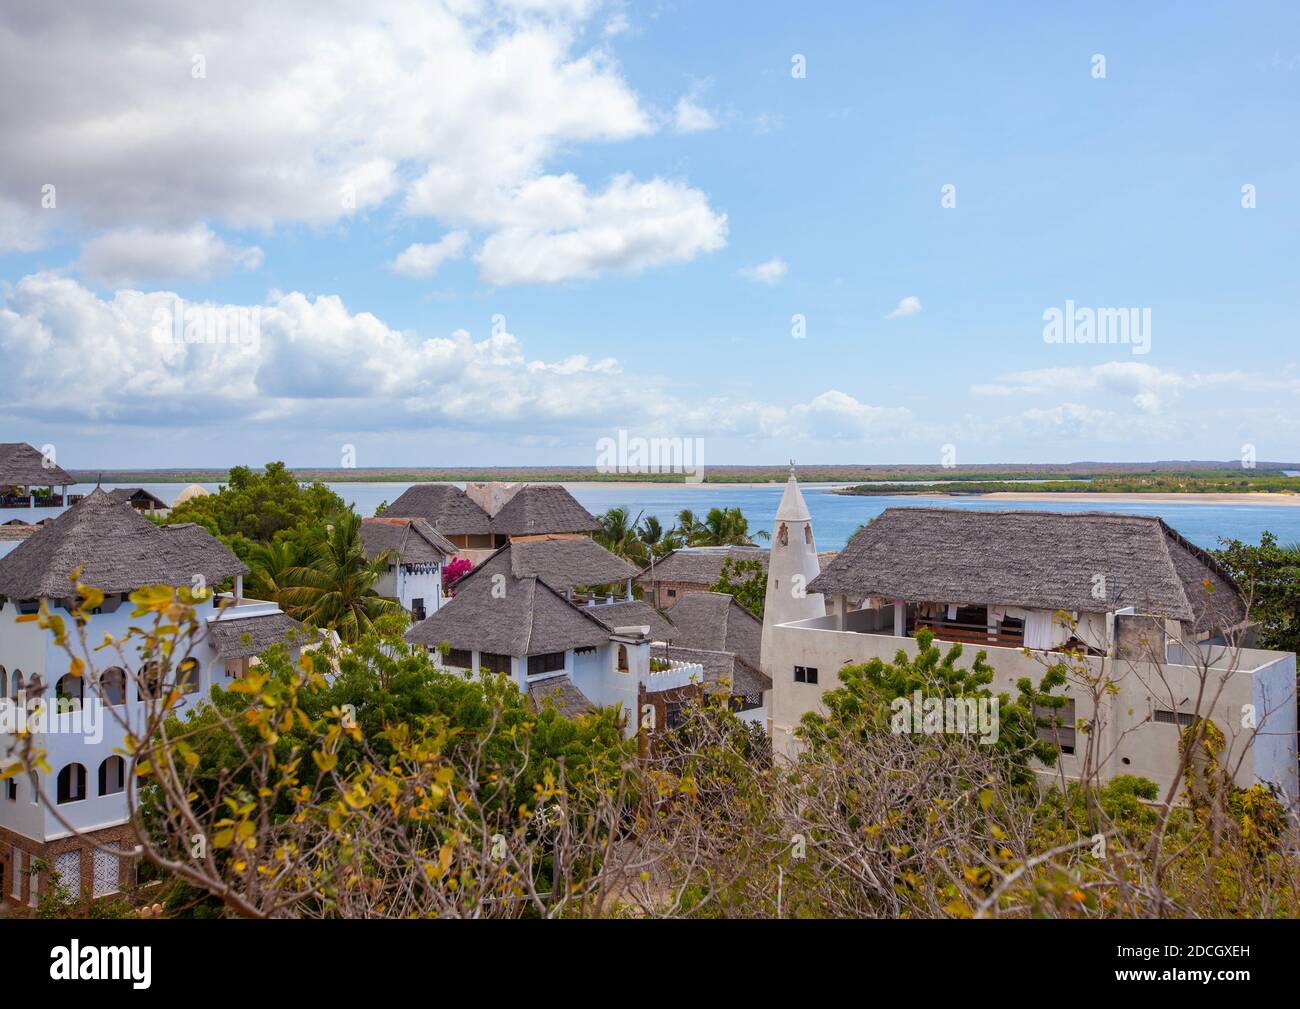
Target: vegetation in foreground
[368, 782]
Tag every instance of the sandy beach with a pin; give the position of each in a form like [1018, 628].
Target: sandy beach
[1254, 498]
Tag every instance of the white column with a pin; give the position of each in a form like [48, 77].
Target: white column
[900, 618]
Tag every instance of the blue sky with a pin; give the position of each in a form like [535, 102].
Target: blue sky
[639, 199]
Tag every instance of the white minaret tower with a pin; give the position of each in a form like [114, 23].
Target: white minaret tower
[792, 565]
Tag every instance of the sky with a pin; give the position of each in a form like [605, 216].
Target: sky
[465, 233]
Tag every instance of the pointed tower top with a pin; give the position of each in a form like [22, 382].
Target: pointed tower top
[792, 507]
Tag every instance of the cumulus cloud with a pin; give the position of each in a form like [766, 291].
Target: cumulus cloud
[691, 117]
[136, 255]
[256, 116]
[317, 364]
[911, 305]
[768, 272]
[419, 260]
[560, 231]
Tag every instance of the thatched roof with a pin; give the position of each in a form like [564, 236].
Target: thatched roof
[137, 495]
[508, 615]
[715, 621]
[559, 691]
[542, 508]
[565, 563]
[635, 613]
[21, 465]
[444, 506]
[118, 551]
[700, 565]
[10, 532]
[744, 678]
[234, 637]
[534, 509]
[413, 541]
[1035, 560]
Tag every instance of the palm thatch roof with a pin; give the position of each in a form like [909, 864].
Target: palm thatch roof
[136, 496]
[235, 637]
[118, 551]
[635, 613]
[715, 621]
[560, 692]
[413, 541]
[566, 563]
[508, 615]
[542, 508]
[700, 565]
[1035, 560]
[718, 665]
[21, 465]
[444, 506]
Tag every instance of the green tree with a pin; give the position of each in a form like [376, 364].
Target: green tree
[620, 534]
[862, 702]
[726, 527]
[1269, 576]
[335, 589]
[254, 507]
[746, 582]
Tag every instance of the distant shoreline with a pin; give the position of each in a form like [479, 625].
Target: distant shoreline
[1113, 497]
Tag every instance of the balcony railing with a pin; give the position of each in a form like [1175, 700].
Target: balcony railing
[973, 634]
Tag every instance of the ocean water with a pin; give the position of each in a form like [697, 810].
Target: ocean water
[835, 516]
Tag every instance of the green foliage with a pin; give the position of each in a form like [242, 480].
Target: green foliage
[862, 702]
[335, 587]
[746, 581]
[1269, 576]
[254, 507]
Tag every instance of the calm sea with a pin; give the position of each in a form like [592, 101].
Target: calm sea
[836, 516]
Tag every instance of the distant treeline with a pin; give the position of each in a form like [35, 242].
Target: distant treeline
[989, 476]
[1162, 483]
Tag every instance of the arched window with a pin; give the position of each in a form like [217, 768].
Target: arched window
[18, 685]
[807, 533]
[72, 784]
[187, 675]
[151, 681]
[68, 693]
[112, 775]
[112, 684]
[622, 658]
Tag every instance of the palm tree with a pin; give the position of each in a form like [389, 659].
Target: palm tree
[726, 527]
[336, 588]
[688, 526]
[618, 533]
[271, 564]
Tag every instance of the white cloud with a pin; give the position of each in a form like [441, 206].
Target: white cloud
[317, 365]
[691, 117]
[768, 272]
[316, 114]
[133, 255]
[423, 260]
[911, 305]
[564, 232]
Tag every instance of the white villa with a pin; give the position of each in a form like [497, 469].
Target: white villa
[524, 612]
[417, 554]
[119, 551]
[1126, 593]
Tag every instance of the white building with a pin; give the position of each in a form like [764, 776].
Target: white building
[1141, 606]
[416, 555]
[118, 551]
[524, 613]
